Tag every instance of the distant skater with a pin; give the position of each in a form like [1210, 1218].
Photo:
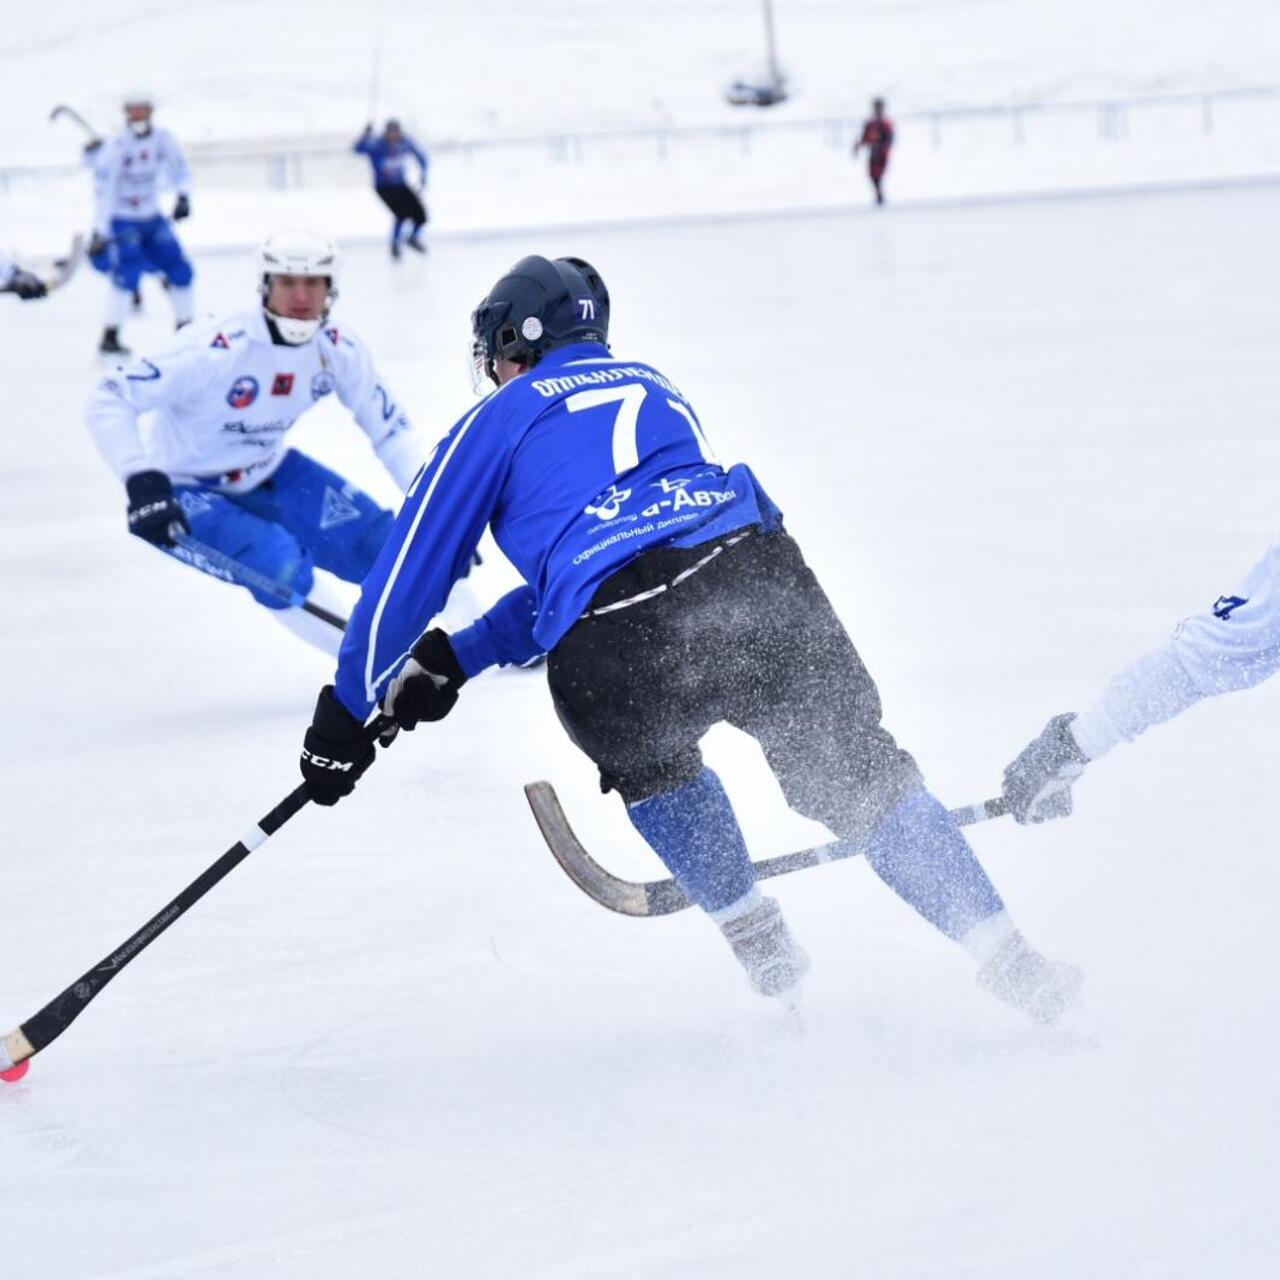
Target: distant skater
[877, 137]
[389, 154]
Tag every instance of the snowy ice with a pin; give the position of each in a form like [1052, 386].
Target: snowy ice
[1017, 441]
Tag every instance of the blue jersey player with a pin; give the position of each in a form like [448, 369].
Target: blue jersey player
[389, 155]
[669, 598]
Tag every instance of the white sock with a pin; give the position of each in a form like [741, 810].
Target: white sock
[183, 298]
[987, 936]
[118, 303]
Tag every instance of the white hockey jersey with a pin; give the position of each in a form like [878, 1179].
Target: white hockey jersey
[128, 172]
[226, 397]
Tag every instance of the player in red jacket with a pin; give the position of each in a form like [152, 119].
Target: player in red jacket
[877, 137]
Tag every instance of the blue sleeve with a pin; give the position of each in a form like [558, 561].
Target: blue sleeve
[364, 145]
[421, 157]
[503, 636]
[430, 547]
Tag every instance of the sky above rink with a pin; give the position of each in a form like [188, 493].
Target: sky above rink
[450, 68]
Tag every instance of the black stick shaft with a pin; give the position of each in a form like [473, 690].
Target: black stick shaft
[47, 1025]
[318, 611]
[212, 561]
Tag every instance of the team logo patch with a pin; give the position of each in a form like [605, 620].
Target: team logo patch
[531, 328]
[1225, 606]
[337, 508]
[221, 343]
[244, 391]
[608, 506]
[322, 384]
[283, 385]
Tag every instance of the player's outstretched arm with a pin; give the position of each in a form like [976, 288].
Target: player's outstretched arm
[179, 174]
[1037, 784]
[399, 446]
[1230, 647]
[430, 547]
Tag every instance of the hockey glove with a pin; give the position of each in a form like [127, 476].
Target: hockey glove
[335, 751]
[428, 683]
[1037, 784]
[26, 285]
[98, 245]
[153, 509]
[181, 208]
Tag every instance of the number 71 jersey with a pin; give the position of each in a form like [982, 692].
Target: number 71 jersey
[577, 466]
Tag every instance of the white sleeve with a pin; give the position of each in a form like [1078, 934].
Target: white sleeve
[397, 443]
[1234, 645]
[105, 163]
[117, 401]
[7, 268]
[176, 164]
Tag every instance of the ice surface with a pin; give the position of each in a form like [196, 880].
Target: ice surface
[1017, 443]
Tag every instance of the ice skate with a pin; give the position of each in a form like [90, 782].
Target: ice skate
[766, 950]
[111, 344]
[1020, 976]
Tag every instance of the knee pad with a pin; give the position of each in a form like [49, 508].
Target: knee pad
[180, 274]
[295, 570]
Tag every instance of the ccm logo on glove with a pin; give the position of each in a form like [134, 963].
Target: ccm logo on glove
[323, 762]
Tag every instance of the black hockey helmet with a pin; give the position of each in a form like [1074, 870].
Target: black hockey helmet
[537, 306]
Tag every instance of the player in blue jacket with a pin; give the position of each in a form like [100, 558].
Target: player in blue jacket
[669, 598]
[389, 154]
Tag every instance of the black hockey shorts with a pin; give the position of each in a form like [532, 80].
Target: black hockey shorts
[403, 202]
[748, 638]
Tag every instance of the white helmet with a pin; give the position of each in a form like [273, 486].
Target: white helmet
[298, 253]
[138, 98]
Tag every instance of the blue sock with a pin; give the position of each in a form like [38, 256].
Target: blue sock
[921, 854]
[693, 830]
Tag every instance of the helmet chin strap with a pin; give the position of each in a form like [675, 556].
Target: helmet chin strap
[293, 333]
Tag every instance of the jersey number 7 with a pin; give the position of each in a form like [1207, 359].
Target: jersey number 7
[629, 398]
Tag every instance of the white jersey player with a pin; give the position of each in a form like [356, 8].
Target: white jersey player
[214, 462]
[1234, 645]
[130, 232]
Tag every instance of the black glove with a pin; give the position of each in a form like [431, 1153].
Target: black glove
[153, 508]
[98, 244]
[335, 751]
[181, 208]
[428, 683]
[26, 285]
[92, 145]
[1038, 783]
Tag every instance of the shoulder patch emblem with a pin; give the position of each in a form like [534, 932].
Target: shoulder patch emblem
[244, 391]
[283, 384]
